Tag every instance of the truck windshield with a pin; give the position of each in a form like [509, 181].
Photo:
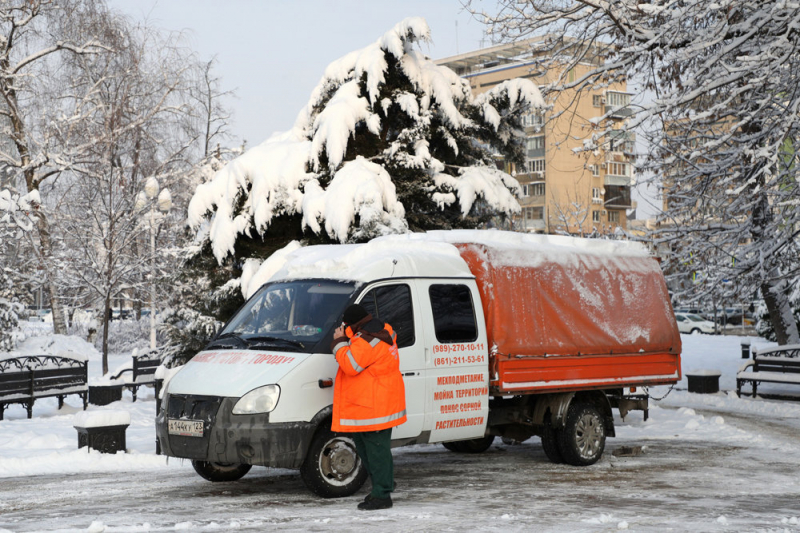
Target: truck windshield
[293, 315]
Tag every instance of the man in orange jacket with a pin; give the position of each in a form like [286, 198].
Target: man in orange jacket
[369, 396]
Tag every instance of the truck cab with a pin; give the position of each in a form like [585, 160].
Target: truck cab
[261, 392]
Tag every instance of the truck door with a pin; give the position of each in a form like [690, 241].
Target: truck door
[392, 302]
[457, 359]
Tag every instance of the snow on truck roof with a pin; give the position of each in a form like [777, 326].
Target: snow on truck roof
[420, 254]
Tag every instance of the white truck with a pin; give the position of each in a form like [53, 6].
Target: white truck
[500, 334]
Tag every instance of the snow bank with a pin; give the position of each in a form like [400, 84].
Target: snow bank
[101, 418]
[67, 346]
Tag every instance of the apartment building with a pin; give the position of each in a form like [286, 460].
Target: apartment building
[565, 188]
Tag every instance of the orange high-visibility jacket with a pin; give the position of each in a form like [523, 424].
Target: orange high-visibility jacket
[369, 394]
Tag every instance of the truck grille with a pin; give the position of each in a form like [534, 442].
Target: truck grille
[192, 408]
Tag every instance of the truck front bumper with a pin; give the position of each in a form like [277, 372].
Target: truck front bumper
[228, 438]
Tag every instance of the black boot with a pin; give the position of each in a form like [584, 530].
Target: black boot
[373, 504]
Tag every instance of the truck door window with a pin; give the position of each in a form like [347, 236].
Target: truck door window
[392, 304]
[453, 313]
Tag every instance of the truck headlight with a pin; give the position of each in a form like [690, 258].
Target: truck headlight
[260, 400]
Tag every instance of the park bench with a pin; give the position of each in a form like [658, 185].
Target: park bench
[25, 379]
[143, 371]
[771, 365]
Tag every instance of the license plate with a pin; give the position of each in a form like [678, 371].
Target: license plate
[186, 428]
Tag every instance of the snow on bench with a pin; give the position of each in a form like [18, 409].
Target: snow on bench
[26, 378]
[771, 365]
[143, 371]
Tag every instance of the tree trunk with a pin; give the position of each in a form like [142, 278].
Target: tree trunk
[59, 326]
[775, 294]
[106, 315]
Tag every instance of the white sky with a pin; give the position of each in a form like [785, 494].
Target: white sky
[274, 53]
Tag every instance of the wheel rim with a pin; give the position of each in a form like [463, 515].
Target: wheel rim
[589, 432]
[338, 461]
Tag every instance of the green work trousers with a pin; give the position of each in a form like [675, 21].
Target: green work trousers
[375, 450]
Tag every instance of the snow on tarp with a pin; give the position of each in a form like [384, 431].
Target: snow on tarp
[545, 295]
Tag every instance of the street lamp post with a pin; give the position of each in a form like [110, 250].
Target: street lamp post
[163, 201]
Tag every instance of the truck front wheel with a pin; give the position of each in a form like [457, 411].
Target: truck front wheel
[220, 471]
[332, 468]
[583, 437]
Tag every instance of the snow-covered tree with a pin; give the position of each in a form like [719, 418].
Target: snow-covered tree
[34, 35]
[142, 128]
[721, 119]
[388, 140]
[15, 220]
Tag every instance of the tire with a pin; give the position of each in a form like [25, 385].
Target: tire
[583, 438]
[695, 331]
[550, 444]
[332, 468]
[470, 446]
[220, 471]
[453, 446]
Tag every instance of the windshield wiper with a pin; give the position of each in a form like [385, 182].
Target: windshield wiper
[230, 335]
[260, 341]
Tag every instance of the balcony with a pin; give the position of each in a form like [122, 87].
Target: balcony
[616, 104]
[620, 142]
[535, 153]
[536, 226]
[617, 173]
[618, 112]
[618, 197]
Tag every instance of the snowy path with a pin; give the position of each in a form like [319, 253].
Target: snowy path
[713, 475]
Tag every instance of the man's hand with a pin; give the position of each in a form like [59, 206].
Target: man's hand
[339, 332]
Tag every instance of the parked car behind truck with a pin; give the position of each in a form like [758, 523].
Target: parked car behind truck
[499, 334]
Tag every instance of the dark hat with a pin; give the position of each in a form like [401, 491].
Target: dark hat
[353, 314]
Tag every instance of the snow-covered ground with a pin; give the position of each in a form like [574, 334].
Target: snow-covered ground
[722, 461]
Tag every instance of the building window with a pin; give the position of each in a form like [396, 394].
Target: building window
[532, 120]
[535, 143]
[596, 198]
[534, 165]
[597, 100]
[533, 213]
[619, 169]
[613, 216]
[617, 99]
[536, 189]
[594, 170]
[595, 216]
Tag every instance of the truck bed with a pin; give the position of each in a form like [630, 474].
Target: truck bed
[570, 319]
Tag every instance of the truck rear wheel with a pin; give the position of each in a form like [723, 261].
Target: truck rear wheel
[220, 471]
[332, 468]
[583, 438]
[550, 444]
[470, 446]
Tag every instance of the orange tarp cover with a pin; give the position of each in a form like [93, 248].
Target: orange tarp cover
[545, 304]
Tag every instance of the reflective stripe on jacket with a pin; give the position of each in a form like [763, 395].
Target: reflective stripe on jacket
[368, 394]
